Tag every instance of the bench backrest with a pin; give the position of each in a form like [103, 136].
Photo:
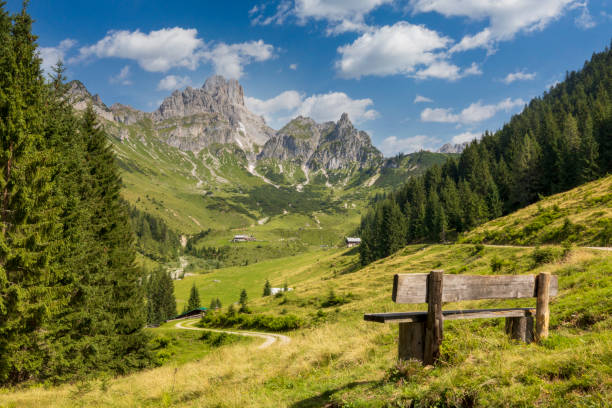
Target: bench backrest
[412, 288]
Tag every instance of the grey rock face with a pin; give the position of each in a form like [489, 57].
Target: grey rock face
[329, 146]
[80, 98]
[217, 114]
[126, 114]
[453, 147]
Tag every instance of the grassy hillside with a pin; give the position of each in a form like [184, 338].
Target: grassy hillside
[211, 195]
[340, 360]
[582, 216]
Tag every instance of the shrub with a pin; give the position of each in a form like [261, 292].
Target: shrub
[541, 256]
[605, 235]
[477, 250]
[497, 264]
[258, 321]
[335, 300]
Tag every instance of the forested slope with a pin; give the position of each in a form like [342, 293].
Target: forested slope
[71, 304]
[560, 140]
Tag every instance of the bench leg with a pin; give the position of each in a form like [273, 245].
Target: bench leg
[520, 328]
[411, 341]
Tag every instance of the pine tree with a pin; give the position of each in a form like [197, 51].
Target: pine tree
[267, 290]
[194, 298]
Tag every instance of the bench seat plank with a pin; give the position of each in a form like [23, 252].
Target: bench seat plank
[411, 317]
[412, 287]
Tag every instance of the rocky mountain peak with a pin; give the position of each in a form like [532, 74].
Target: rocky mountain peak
[329, 146]
[344, 120]
[453, 147]
[229, 92]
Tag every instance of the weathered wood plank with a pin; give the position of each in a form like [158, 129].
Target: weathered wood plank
[434, 327]
[408, 317]
[412, 288]
[411, 343]
[542, 312]
[520, 328]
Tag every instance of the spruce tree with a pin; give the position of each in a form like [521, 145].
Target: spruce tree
[267, 290]
[194, 298]
[243, 301]
[111, 227]
[30, 231]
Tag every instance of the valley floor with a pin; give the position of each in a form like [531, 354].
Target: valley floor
[338, 360]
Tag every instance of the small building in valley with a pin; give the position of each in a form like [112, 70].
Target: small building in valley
[191, 313]
[352, 242]
[243, 238]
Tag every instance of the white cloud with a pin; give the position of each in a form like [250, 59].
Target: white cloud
[466, 137]
[229, 59]
[330, 106]
[584, 20]
[161, 50]
[122, 77]
[506, 18]
[320, 107]
[172, 82]
[397, 49]
[50, 55]
[293, 67]
[283, 104]
[422, 99]
[394, 145]
[519, 76]
[340, 15]
[283, 11]
[157, 51]
[476, 112]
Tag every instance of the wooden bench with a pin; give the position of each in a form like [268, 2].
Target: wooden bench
[420, 333]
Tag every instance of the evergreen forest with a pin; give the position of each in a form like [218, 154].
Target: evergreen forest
[561, 140]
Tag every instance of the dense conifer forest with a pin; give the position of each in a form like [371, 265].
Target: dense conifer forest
[559, 141]
[71, 300]
[154, 239]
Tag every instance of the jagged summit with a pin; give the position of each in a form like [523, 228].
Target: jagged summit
[329, 145]
[215, 114]
[229, 91]
[453, 147]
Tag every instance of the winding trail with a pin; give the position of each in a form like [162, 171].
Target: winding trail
[269, 338]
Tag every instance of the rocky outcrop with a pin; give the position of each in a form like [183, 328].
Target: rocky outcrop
[329, 146]
[198, 117]
[344, 147]
[80, 98]
[453, 147]
[296, 141]
[216, 114]
[126, 114]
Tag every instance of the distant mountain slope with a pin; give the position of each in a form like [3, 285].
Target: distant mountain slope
[203, 161]
[581, 216]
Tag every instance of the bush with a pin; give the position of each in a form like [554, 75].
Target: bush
[258, 321]
[605, 236]
[218, 339]
[497, 264]
[541, 256]
[335, 300]
[477, 250]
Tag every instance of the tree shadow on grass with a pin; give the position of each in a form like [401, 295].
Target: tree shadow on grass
[323, 399]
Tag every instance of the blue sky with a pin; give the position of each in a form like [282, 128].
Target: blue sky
[414, 73]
